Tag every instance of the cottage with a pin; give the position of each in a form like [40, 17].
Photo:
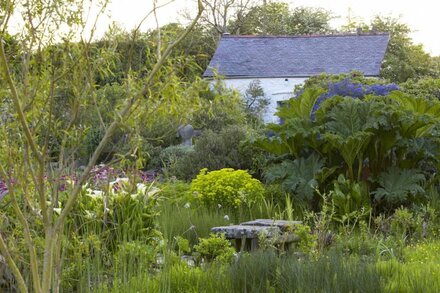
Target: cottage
[282, 62]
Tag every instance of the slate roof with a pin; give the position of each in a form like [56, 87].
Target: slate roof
[298, 56]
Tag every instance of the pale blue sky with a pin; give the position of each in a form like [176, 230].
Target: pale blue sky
[421, 15]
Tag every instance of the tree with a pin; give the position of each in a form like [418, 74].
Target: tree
[51, 63]
[255, 99]
[276, 18]
[403, 59]
[218, 13]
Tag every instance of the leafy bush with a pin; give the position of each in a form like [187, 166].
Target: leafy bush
[227, 187]
[215, 248]
[171, 159]
[307, 242]
[402, 222]
[428, 88]
[361, 129]
[221, 107]
[226, 149]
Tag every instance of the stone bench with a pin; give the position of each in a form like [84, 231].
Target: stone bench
[246, 235]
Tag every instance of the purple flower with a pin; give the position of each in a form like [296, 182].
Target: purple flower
[355, 90]
[147, 176]
[3, 189]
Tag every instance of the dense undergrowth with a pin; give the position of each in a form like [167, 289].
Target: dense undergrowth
[355, 161]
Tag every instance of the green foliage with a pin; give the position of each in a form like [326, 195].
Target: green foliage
[323, 80]
[275, 18]
[297, 134]
[175, 190]
[255, 99]
[225, 149]
[171, 157]
[402, 222]
[370, 134]
[188, 220]
[215, 248]
[299, 177]
[126, 217]
[398, 186]
[428, 88]
[307, 242]
[415, 276]
[403, 59]
[227, 187]
[302, 106]
[221, 106]
[182, 244]
[348, 196]
[346, 126]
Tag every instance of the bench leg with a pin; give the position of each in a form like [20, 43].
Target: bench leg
[243, 243]
[254, 244]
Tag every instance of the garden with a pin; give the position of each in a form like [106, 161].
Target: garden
[97, 194]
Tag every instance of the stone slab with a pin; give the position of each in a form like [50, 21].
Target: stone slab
[246, 231]
[282, 224]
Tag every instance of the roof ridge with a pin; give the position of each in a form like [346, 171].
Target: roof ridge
[306, 36]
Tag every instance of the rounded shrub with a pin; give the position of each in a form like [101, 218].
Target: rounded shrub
[227, 187]
[215, 248]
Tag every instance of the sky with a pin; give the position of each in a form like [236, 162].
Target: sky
[421, 15]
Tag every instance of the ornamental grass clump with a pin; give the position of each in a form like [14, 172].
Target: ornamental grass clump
[227, 187]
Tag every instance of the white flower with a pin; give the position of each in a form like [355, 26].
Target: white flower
[70, 182]
[119, 180]
[94, 193]
[141, 187]
[152, 191]
[226, 217]
[57, 210]
[187, 205]
[219, 206]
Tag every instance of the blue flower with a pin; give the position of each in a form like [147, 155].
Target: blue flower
[356, 90]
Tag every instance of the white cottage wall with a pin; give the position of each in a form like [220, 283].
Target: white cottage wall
[276, 89]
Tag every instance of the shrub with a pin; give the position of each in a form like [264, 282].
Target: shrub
[307, 241]
[227, 187]
[402, 222]
[221, 106]
[215, 248]
[214, 151]
[171, 157]
[428, 88]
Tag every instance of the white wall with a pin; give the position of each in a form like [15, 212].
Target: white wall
[276, 89]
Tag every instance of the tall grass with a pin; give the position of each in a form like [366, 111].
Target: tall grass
[192, 221]
[188, 222]
[262, 272]
[267, 271]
